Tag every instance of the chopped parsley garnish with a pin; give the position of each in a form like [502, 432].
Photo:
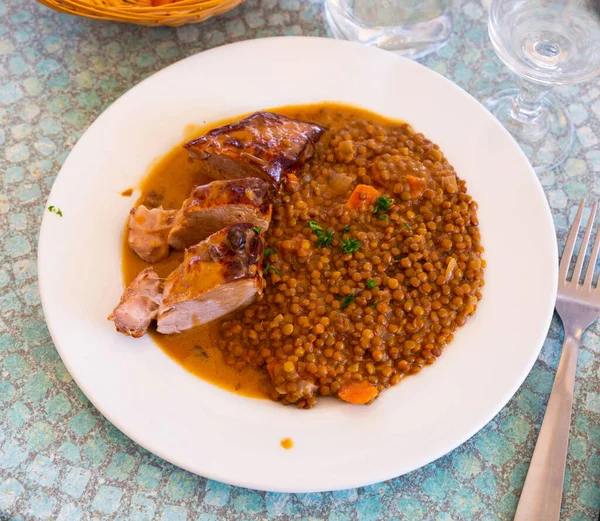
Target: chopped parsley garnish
[346, 229]
[350, 245]
[407, 227]
[374, 305]
[382, 204]
[256, 229]
[324, 238]
[371, 283]
[268, 268]
[55, 210]
[315, 227]
[384, 217]
[348, 300]
[270, 251]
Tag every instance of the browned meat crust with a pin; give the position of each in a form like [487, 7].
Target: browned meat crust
[217, 276]
[220, 204]
[265, 145]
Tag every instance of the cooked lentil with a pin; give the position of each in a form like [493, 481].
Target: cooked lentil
[364, 286]
[393, 291]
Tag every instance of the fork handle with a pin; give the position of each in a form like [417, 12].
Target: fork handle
[542, 493]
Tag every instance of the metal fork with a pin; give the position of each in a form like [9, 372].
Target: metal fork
[578, 306]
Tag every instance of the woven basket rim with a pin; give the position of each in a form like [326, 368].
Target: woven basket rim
[168, 7]
[177, 13]
[176, 6]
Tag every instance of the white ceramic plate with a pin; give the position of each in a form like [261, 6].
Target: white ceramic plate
[217, 434]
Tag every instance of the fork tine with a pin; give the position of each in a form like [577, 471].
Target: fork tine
[587, 284]
[570, 245]
[584, 245]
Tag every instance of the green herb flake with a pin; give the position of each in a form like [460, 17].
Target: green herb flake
[346, 229]
[325, 239]
[384, 217]
[371, 283]
[348, 300]
[382, 204]
[374, 305]
[339, 297]
[55, 210]
[407, 227]
[350, 245]
[315, 227]
[268, 268]
[270, 251]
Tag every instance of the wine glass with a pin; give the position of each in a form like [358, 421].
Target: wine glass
[547, 43]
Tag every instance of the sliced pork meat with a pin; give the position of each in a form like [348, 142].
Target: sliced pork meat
[220, 204]
[148, 232]
[217, 276]
[264, 145]
[139, 304]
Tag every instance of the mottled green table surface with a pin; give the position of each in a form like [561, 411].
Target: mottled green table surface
[61, 460]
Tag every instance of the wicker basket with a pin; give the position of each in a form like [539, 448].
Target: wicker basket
[141, 12]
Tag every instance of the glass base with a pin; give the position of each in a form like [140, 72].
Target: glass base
[546, 141]
[412, 40]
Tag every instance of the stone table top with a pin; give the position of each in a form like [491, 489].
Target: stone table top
[61, 460]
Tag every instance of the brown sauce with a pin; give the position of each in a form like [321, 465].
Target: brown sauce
[169, 183]
[174, 176]
[287, 443]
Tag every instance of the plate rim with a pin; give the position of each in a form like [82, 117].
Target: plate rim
[46, 304]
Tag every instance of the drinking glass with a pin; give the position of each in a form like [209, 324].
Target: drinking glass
[547, 43]
[413, 28]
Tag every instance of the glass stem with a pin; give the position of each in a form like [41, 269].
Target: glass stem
[527, 107]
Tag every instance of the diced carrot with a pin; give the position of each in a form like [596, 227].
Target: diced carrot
[362, 194]
[417, 186]
[357, 392]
